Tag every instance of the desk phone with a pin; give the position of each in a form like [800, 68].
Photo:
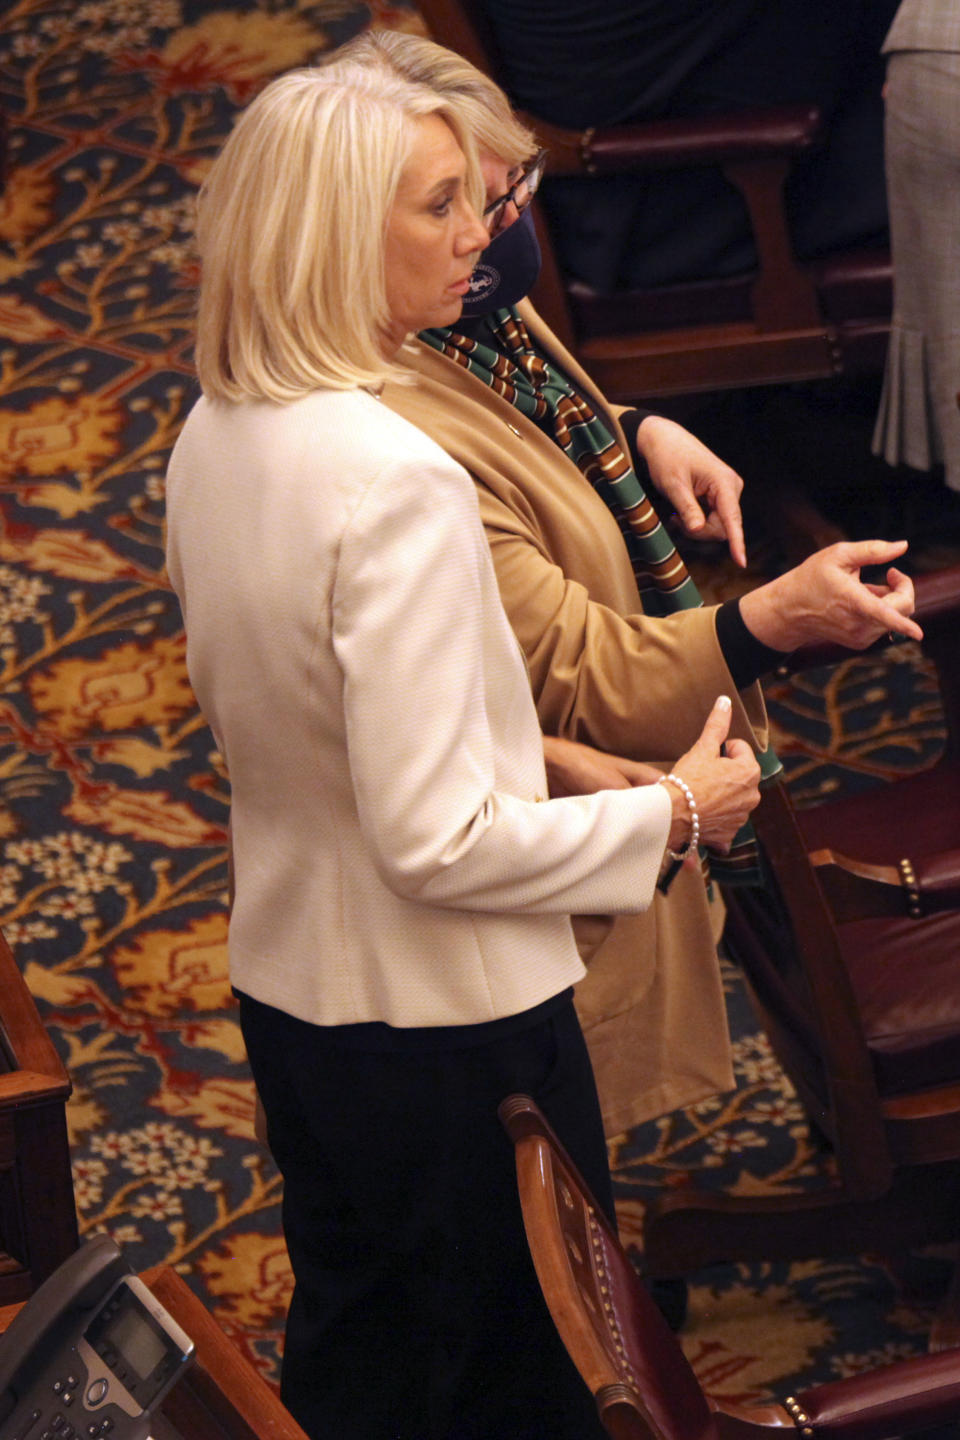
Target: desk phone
[91, 1354]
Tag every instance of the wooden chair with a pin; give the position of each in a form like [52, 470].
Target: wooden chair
[643, 1384]
[852, 956]
[786, 322]
[38, 1219]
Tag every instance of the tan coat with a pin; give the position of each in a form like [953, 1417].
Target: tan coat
[651, 1005]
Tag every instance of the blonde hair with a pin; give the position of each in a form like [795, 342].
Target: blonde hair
[480, 103]
[291, 230]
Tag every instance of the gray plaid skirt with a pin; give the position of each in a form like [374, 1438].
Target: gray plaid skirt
[918, 423]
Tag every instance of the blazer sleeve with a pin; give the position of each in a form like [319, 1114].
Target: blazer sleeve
[629, 685]
[416, 627]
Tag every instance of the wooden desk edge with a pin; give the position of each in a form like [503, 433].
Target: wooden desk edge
[219, 1364]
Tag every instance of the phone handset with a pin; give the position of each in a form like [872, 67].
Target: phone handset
[77, 1285]
[92, 1349]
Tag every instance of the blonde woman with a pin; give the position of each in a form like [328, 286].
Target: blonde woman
[610, 664]
[399, 940]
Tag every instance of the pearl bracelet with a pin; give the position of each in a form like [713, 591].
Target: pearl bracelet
[687, 793]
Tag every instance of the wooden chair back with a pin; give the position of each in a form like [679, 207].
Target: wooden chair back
[643, 1385]
[38, 1220]
[615, 1335]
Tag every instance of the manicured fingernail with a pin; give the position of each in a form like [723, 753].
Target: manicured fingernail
[724, 702]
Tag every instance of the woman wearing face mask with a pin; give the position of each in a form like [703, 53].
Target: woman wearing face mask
[597, 594]
[399, 940]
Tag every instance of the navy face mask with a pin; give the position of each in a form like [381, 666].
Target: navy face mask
[506, 271]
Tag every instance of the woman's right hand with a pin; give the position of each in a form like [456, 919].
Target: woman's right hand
[723, 777]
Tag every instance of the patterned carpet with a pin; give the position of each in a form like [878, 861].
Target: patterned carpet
[113, 804]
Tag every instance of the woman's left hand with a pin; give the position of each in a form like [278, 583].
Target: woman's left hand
[703, 490]
[575, 769]
[823, 600]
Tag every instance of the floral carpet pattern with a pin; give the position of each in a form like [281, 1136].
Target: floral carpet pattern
[113, 801]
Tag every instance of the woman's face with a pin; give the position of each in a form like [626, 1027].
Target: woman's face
[433, 236]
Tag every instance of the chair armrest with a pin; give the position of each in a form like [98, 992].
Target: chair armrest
[782, 131]
[912, 1395]
[856, 890]
[937, 596]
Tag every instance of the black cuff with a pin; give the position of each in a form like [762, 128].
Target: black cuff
[630, 422]
[746, 657]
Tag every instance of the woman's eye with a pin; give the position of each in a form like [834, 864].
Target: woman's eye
[442, 207]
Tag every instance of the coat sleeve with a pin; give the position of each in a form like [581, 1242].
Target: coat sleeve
[630, 685]
[437, 706]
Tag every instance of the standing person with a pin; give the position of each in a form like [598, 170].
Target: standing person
[399, 939]
[918, 422]
[589, 587]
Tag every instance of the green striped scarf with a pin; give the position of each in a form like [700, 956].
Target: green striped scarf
[522, 376]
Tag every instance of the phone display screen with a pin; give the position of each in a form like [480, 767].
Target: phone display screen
[137, 1341]
[141, 1350]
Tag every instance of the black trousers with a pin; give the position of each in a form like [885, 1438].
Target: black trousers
[416, 1313]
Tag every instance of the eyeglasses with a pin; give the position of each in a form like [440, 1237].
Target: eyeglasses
[520, 194]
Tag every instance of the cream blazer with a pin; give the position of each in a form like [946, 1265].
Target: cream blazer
[652, 1004]
[347, 645]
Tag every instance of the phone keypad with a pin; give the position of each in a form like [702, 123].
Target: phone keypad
[100, 1427]
[38, 1425]
[59, 1428]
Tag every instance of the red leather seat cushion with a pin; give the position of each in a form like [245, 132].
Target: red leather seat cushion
[906, 975]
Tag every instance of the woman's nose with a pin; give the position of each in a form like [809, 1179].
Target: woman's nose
[474, 235]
